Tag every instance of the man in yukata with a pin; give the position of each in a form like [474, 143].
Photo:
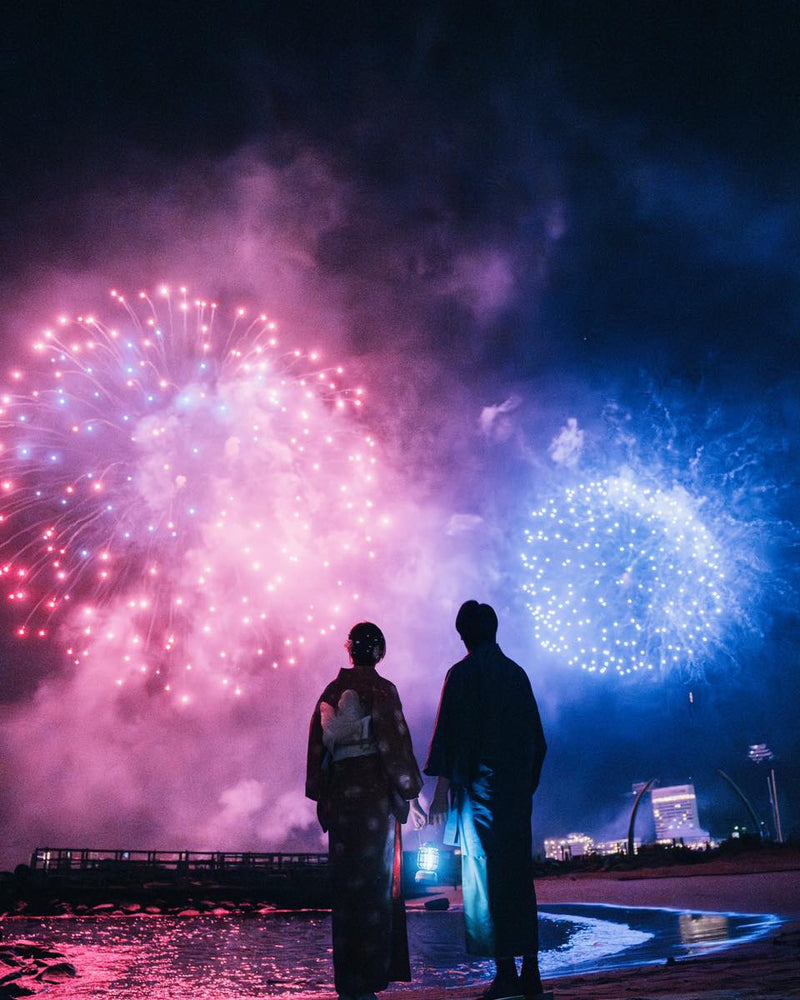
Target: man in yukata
[487, 751]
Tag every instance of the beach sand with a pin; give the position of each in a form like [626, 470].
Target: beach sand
[767, 969]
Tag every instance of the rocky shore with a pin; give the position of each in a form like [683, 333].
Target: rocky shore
[184, 906]
[31, 893]
[26, 968]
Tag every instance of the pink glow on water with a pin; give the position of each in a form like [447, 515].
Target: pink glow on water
[289, 954]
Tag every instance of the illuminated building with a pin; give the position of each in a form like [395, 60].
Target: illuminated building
[578, 845]
[573, 845]
[619, 846]
[675, 815]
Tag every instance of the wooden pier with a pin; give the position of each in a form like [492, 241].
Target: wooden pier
[80, 859]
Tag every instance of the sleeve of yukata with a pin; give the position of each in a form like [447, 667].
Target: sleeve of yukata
[539, 746]
[394, 743]
[455, 733]
[315, 755]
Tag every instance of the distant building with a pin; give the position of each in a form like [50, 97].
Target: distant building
[620, 846]
[573, 845]
[579, 845]
[675, 815]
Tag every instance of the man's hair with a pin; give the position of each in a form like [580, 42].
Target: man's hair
[476, 623]
[361, 643]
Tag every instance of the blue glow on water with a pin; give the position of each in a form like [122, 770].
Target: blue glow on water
[289, 954]
[650, 935]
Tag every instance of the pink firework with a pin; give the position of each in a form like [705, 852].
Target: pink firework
[181, 495]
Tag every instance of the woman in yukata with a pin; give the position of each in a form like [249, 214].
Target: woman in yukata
[363, 776]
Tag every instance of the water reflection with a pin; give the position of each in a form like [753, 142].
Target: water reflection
[702, 928]
[288, 955]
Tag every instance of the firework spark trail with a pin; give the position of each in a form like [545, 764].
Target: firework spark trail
[181, 497]
[623, 576]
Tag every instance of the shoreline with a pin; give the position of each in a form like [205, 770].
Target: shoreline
[776, 891]
[764, 969]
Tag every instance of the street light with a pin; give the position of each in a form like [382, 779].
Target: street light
[760, 753]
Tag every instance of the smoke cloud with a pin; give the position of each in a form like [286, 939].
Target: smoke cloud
[531, 292]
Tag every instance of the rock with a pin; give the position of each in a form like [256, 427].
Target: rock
[26, 960]
[220, 911]
[103, 908]
[29, 969]
[152, 909]
[57, 972]
[14, 990]
[30, 949]
[131, 908]
[188, 913]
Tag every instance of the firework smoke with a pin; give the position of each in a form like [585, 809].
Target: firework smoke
[464, 422]
[185, 496]
[195, 512]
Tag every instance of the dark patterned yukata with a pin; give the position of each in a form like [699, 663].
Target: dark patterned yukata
[489, 743]
[362, 773]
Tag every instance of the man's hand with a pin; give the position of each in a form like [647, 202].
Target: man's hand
[418, 817]
[440, 804]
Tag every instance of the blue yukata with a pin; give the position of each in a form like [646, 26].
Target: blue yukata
[489, 742]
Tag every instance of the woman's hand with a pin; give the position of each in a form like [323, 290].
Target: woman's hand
[440, 804]
[418, 817]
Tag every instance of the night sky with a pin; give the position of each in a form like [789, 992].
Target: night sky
[510, 220]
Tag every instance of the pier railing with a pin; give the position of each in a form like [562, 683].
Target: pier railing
[66, 859]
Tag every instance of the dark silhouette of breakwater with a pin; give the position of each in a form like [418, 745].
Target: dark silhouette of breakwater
[88, 881]
[85, 881]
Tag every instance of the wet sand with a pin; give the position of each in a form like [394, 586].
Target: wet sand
[768, 969]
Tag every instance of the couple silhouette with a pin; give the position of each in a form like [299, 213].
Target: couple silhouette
[486, 753]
